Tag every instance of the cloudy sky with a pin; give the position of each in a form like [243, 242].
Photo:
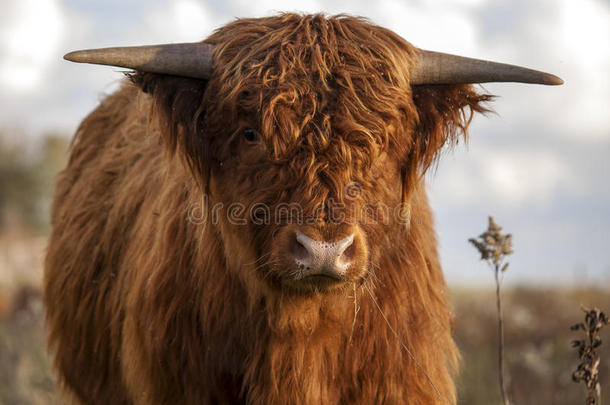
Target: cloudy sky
[539, 164]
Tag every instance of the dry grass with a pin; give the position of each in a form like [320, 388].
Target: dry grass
[25, 376]
[495, 247]
[539, 358]
[588, 352]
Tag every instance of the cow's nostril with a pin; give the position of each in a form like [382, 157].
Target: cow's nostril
[299, 251]
[349, 252]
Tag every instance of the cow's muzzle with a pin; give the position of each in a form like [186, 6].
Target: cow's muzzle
[321, 257]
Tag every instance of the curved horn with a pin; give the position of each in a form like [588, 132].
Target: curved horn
[443, 68]
[188, 59]
[195, 60]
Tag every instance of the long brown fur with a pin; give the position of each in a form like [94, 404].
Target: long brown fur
[145, 306]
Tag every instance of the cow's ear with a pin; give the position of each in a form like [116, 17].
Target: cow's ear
[178, 105]
[444, 114]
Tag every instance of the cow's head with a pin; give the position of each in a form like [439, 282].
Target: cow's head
[310, 135]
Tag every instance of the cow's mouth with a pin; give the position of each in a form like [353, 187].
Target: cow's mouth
[316, 283]
[323, 278]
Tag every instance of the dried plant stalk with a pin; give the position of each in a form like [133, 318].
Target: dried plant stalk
[494, 247]
[588, 368]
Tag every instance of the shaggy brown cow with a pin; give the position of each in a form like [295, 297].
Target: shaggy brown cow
[314, 278]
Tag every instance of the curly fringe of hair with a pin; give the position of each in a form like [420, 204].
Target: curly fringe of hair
[317, 80]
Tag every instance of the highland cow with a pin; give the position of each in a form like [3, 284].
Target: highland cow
[245, 220]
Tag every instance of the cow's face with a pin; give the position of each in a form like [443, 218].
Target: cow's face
[310, 141]
[311, 192]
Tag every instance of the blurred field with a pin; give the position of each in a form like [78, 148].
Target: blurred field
[27, 174]
[539, 358]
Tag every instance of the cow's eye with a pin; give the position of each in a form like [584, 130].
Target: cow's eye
[251, 135]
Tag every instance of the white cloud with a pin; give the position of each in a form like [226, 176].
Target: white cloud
[430, 26]
[248, 8]
[585, 32]
[457, 3]
[507, 177]
[30, 33]
[522, 176]
[568, 38]
[584, 37]
[176, 21]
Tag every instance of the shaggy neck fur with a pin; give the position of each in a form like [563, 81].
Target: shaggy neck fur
[249, 342]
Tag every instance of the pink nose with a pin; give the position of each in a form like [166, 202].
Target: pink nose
[323, 258]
